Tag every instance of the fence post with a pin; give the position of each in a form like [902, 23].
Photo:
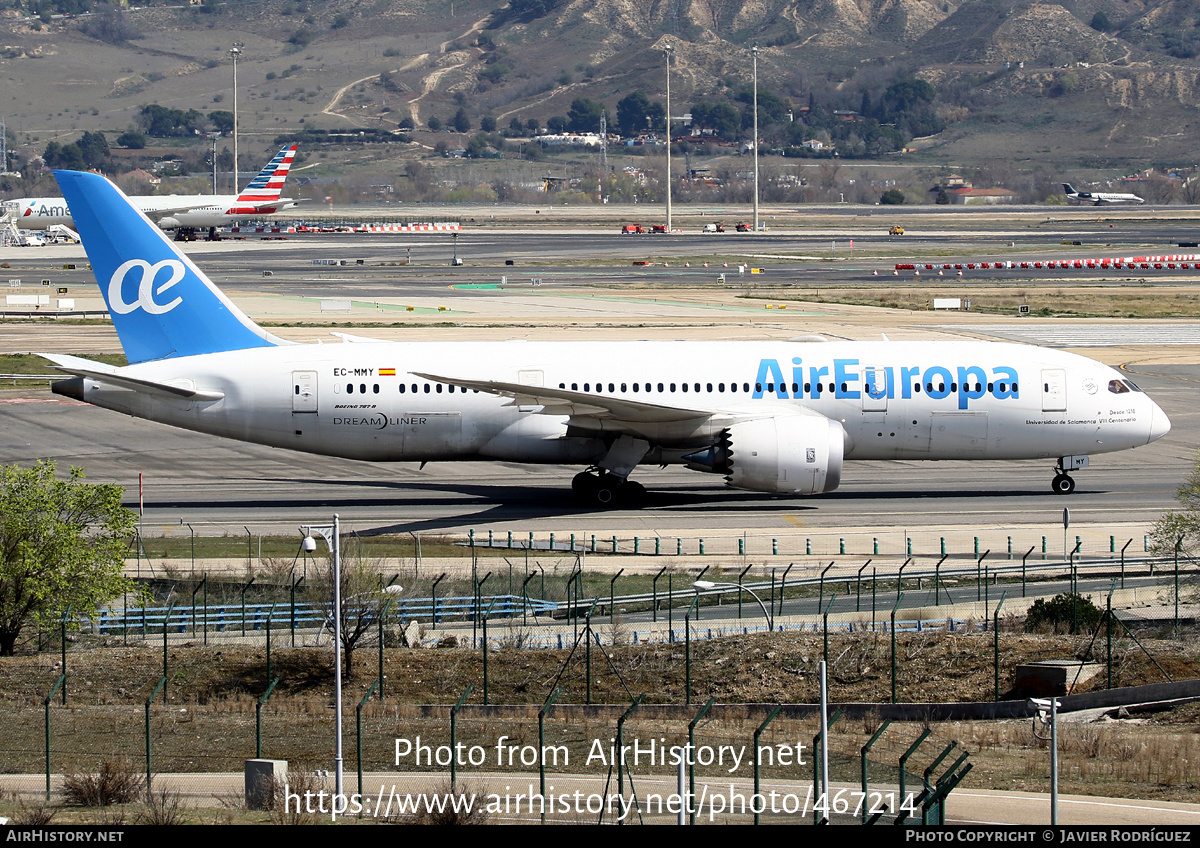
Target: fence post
[912, 749]
[996, 641]
[149, 701]
[621, 748]
[899, 598]
[757, 735]
[542, 713]
[687, 654]
[454, 735]
[258, 723]
[358, 731]
[62, 679]
[691, 760]
[866, 749]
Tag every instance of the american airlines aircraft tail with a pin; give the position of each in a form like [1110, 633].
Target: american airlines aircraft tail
[267, 187]
[778, 417]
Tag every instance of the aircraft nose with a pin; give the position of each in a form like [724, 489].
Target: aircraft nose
[1160, 424]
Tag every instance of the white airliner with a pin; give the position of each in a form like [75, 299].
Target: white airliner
[777, 417]
[1099, 198]
[184, 213]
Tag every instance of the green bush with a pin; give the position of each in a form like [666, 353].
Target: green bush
[1060, 612]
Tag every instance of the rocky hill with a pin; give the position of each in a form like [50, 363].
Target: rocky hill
[1073, 83]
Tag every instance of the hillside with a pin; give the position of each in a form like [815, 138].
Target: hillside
[1075, 84]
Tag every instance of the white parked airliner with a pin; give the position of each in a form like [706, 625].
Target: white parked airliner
[184, 213]
[777, 417]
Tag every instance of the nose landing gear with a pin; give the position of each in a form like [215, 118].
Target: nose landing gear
[1063, 484]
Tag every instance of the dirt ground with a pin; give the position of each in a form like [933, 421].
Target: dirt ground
[208, 723]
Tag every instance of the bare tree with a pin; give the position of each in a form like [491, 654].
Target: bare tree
[362, 600]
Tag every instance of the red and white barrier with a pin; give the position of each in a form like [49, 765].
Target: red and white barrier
[1180, 261]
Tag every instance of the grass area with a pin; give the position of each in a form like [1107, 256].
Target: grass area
[29, 363]
[1120, 300]
[209, 723]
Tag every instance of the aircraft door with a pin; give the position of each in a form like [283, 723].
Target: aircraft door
[1054, 390]
[875, 389]
[304, 391]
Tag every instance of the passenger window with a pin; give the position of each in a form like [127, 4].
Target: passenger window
[611, 387]
[362, 387]
[710, 388]
[672, 387]
[758, 387]
[623, 387]
[439, 388]
[401, 388]
[375, 388]
[349, 388]
[683, 386]
[697, 387]
[574, 387]
[587, 387]
[720, 387]
[635, 387]
[660, 387]
[807, 387]
[450, 388]
[427, 389]
[562, 385]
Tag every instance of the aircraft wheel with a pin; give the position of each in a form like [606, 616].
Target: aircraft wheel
[582, 483]
[1063, 484]
[633, 493]
[605, 492]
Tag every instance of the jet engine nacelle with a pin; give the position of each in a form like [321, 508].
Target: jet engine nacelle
[790, 454]
[168, 223]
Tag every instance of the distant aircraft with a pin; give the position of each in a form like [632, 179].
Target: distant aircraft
[1099, 197]
[769, 416]
[182, 213]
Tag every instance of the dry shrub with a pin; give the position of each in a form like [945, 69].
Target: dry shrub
[162, 808]
[447, 805]
[301, 780]
[116, 783]
[35, 814]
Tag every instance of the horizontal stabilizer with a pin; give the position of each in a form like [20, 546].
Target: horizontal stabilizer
[111, 375]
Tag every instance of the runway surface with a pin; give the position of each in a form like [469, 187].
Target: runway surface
[228, 485]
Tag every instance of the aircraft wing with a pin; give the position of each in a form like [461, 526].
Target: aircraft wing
[112, 375]
[601, 412]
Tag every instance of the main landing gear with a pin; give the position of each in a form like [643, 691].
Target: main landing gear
[599, 488]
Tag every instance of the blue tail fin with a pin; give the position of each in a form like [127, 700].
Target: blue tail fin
[161, 304]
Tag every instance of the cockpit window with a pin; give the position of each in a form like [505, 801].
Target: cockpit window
[1132, 385]
[1117, 387]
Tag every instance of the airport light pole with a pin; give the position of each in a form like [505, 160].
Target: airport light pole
[668, 49]
[332, 533]
[754, 53]
[234, 52]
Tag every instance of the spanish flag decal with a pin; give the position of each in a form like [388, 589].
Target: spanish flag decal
[387, 372]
